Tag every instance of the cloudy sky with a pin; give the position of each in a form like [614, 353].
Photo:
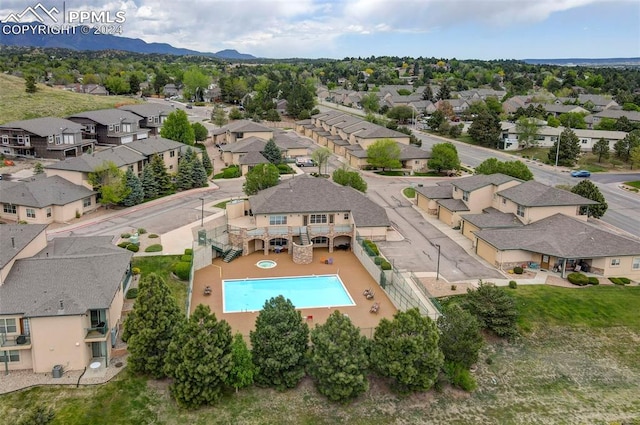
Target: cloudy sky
[464, 29]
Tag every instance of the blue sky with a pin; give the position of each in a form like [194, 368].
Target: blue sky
[464, 29]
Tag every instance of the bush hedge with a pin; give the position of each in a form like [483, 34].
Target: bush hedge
[123, 244]
[378, 260]
[593, 280]
[135, 271]
[154, 248]
[125, 235]
[513, 284]
[133, 248]
[132, 293]
[153, 236]
[186, 258]
[460, 377]
[182, 270]
[142, 231]
[385, 265]
[188, 251]
[620, 280]
[371, 247]
[578, 279]
[518, 270]
[231, 172]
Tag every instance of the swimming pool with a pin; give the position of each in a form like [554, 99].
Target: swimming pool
[239, 295]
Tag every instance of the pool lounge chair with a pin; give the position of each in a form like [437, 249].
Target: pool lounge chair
[374, 308]
[370, 295]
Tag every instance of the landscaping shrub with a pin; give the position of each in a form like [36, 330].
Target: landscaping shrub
[371, 247]
[518, 270]
[153, 236]
[154, 248]
[593, 280]
[142, 231]
[182, 270]
[385, 265]
[378, 260]
[123, 244]
[625, 280]
[513, 284]
[186, 258]
[135, 271]
[188, 251]
[125, 235]
[132, 293]
[615, 280]
[231, 172]
[454, 287]
[620, 280]
[133, 248]
[460, 377]
[284, 169]
[578, 279]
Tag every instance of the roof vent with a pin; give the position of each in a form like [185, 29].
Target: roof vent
[61, 307]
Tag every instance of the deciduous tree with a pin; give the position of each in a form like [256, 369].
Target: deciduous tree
[108, 180]
[494, 308]
[149, 328]
[406, 350]
[527, 130]
[199, 359]
[370, 103]
[384, 153]
[321, 157]
[401, 113]
[338, 361]
[200, 132]
[634, 157]
[345, 177]
[195, 83]
[279, 344]
[219, 116]
[260, 177]
[176, 127]
[116, 85]
[444, 156]
[589, 190]
[573, 120]
[517, 169]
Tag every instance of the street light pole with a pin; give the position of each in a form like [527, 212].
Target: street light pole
[438, 264]
[202, 213]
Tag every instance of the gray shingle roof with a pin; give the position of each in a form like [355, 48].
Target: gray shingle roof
[84, 276]
[562, 236]
[14, 237]
[145, 110]
[436, 192]
[316, 195]
[408, 152]
[108, 116]
[119, 155]
[379, 132]
[453, 204]
[534, 194]
[492, 218]
[46, 126]
[469, 184]
[154, 145]
[41, 193]
[246, 126]
[253, 158]
[246, 145]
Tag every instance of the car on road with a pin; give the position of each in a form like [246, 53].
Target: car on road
[580, 173]
[189, 106]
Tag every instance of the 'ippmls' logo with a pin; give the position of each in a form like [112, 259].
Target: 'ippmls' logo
[32, 12]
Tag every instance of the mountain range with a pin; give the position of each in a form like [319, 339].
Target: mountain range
[90, 41]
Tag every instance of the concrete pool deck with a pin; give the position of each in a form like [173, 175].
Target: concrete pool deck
[345, 264]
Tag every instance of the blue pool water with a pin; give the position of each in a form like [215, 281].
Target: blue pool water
[303, 291]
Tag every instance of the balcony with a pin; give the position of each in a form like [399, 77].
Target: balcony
[15, 342]
[97, 333]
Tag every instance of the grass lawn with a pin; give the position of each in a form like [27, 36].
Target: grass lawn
[161, 265]
[409, 192]
[635, 184]
[15, 104]
[534, 153]
[578, 362]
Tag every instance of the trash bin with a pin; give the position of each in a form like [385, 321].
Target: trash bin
[57, 371]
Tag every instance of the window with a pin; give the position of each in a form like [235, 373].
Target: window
[172, 154]
[116, 128]
[275, 220]
[31, 213]
[465, 195]
[320, 240]
[58, 139]
[48, 212]
[504, 201]
[91, 128]
[26, 327]
[520, 211]
[50, 139]
[346, 216]
[8, 326]
[278, 242]
[86, 202]
[615, 262]
[14, 356]
[68, 139]
[9, 208]
[110, 127]
[636, 263]
[126, 128]
[19, 139]
[5, 139]
[318, 218]
[27, 139]
[239, 135]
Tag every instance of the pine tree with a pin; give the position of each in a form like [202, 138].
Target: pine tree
[165, 187]
[136, 193]
[149, 184]
[569, 149]
[460, 336]
[184, 176]
[338, 360]
[149, 328]
[485, 129]
[406, 350]
[198, 174]
[590, 191]
[272, 152]
[444, 92]
[199, 359]
[279, 344]
[494, 308]
[206, 161]
[242, 370]
[30, 84]
[427, 94]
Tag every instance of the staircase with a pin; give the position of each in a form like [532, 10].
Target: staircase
[231, 255]
[304, 236]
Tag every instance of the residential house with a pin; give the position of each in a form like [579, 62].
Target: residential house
[511, 105]
[49, 137]
[72, 317]
[241, 129]
[557, 109]
[152, 115]
[301, 214]
[547, 136]
[599, 102]
[413, 159]
[248, 152]
[110, 126]
[45, 200]
[170, 90]
[458, 105]
[613, 114]
[19, 241]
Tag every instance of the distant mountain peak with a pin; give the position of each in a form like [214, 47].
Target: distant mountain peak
[91, 41]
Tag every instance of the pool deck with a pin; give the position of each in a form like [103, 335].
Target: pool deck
[355, 278]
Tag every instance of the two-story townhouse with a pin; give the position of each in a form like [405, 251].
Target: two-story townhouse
[248, 152]
[45, 200]
[612, 114]
[19, 241]
[61, 308]
[48, 137]
[169, 150]
[152, 115]
[110, 126]
[599, 102]
[241, 129]
[412, 159]
[546, 136]
[557, 109]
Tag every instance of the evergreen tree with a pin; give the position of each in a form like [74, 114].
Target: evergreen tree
[199, 174]
[279, 344]
[494, 308]
[242, 370]
[601, 148]
[38, 168]
[136, 193]
[624, 147]
[427, 94]
[590, 191]
[160, 174]
[30, 84]
[460, 336]
[199, 359]
[149, 184]
[569, 149]
[176, 127]
[338, 361]
[272, 152]
[406, 350]
[206, 161]
[184, 176]
[485, 129]
[134, 84]
[149, 328]
[219, 116]
[444, 92]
